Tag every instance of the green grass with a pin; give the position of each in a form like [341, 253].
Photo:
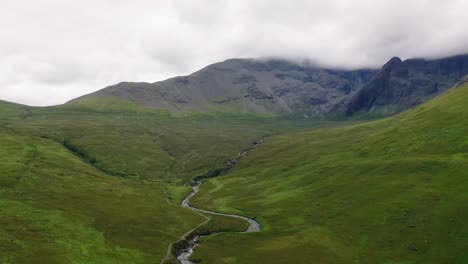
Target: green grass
[85, 184]
[55, 208]
[213, 226]
[150, 144]
[387, 191]
[100, 184]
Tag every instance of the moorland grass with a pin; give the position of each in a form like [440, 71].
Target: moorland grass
[85, 184]
[55, 208]
[387, 191]
[150, 144]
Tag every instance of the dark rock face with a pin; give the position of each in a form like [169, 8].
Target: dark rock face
[403, 84]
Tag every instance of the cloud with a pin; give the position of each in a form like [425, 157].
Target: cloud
[54, 50]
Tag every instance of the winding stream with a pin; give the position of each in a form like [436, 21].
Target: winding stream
[254, 226]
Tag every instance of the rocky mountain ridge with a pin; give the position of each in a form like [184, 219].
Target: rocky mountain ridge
[400, 85]
[282, 87]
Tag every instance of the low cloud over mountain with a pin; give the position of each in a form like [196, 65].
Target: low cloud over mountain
[52, 51]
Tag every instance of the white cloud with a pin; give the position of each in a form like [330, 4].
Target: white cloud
[54, 50]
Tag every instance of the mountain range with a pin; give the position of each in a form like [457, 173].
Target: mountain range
[281, 87]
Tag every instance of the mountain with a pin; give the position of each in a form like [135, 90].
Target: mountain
[242, 85]
[281, 87]
[400, 85]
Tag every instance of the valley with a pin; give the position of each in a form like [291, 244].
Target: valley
[352, 174]
[183, 255]
[65, 179]
[234, 132]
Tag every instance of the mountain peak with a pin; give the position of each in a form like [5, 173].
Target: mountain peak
[403, 84]
[395, 59]
[392, 63]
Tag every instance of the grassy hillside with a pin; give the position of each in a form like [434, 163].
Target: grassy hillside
[388, 191]
[88, 184]
[55, 208]
[135, 142]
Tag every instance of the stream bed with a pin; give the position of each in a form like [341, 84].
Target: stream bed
[254, 226]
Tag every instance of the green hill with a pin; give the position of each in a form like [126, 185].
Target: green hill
[55, 208]
[103, 185]
[388, 191]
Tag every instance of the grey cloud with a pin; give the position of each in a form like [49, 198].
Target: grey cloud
[54, 50]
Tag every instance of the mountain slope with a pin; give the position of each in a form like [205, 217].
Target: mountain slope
[8, 109]
[404, 84]
[388, 191]
[156, 145]
[55, 208]
[242, 85]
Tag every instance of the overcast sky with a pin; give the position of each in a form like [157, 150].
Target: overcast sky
[54, 50]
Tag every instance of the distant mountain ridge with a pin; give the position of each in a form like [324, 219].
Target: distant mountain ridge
[244, 85]
[281, 87]
[400, 85]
